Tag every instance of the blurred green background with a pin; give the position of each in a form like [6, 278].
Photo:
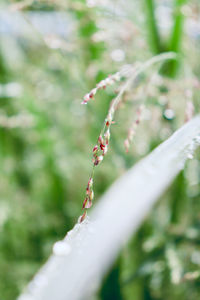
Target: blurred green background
[51, 54]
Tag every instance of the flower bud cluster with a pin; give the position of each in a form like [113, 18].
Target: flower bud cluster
[99, 151]
[110, 80]
[131, 72]
[101, 148]
[132, 129]
[87, 203]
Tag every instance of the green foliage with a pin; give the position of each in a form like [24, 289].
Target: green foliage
[174, 40]
[46, 138]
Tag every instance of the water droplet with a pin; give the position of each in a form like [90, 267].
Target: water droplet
[169, 114]
[61, 248]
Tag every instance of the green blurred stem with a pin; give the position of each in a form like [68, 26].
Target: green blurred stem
[3, 70]
[153, 32]
[176, 36]
[111, 287]
[174, 44]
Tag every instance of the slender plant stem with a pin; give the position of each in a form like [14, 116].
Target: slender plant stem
[176, 37]
[134, 74]
[153, 32]
[140, 69]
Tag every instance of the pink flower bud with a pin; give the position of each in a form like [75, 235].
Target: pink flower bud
[95, 149]
[98, 160]
[84, 102]
[100, 140]
[89, 204]
[91, 195]
[102, 146]
[105, 150]
[82, 218]
[85, 202]
[91, 95]
[95, 161]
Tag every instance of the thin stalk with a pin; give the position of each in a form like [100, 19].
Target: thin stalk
[111, 113]
[140, 69]
[153, 32]
[175, 40]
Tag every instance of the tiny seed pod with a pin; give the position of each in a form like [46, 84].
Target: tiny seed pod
[86, 97]
[95, 149]
[82, 218]
[85, 202]
[100, 140]
[91, 195]
[105, 150]
[102, 146]
[89, 204]
[84, 102]
[95, 161]
[98, 160]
